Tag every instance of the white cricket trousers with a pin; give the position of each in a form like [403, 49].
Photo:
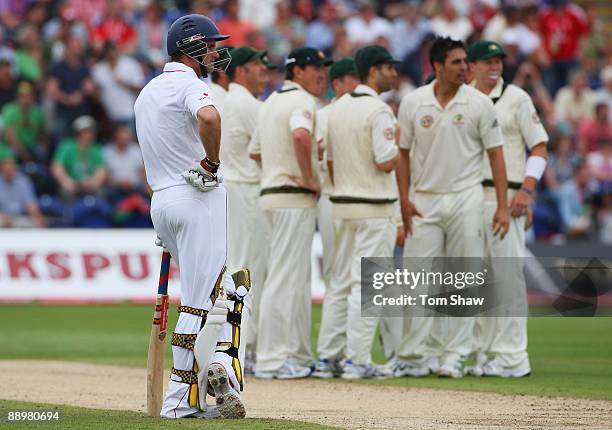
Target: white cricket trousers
[192, 225]
[451, 226]
[342, 326]
[499, 336]
[285, 307]
[325, 221]
[248, 236]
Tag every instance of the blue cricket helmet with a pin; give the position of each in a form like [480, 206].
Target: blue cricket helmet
[189, 32]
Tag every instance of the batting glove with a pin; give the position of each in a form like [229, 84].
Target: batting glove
[160, 243]
[201, 178]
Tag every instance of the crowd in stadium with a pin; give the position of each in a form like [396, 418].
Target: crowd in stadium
[71, 70]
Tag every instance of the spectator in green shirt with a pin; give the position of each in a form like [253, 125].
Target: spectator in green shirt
[78, 163]
[24, 123]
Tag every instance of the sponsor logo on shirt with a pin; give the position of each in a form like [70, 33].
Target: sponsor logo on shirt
[458, 119]
[307, 114]
[535, 118]
[426, 121]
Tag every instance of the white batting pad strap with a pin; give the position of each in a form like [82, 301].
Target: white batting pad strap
[535, 166]
[217, 319]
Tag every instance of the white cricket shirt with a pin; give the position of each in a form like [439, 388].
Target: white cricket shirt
[238, 122]
[447, 144]
[521, 128]
[167, 126]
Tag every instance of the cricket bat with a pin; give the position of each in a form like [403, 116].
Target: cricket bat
[157, 342]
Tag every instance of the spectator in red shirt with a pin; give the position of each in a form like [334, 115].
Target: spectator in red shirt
[562, 25]
[591, 132]
[232, 24]
[114, 29]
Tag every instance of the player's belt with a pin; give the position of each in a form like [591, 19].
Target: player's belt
[348, 199]
[285, 189]
[511, 185]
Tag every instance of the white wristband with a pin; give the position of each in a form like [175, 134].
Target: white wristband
[535, 166]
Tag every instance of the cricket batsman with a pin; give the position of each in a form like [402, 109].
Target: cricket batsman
[179, 131]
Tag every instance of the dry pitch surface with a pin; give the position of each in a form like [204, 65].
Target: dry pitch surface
[346, 405]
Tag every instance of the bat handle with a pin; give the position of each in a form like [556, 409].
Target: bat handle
[162, 294]
[164, 273]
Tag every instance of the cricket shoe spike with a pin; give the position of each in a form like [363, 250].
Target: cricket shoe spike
[227, 398]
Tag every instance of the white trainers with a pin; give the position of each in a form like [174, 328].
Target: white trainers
[293, 370]
[360, 371]
[451, 370]
[326, 369]
[477, 369]
[495, 368]
[433, 364]
[289, 370]
[227, 398]
[407, 368]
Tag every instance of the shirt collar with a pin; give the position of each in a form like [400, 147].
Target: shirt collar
[287, 85]
[364, 89]
[241, 89]
[431, 100]
[174, 67]
[496, 92]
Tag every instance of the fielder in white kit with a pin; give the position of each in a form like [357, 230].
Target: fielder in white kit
[248, 229]
[178, 130]
[502, 340]
[446, 127]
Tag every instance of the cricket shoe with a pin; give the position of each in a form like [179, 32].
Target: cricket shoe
[407, 368]
[361, 371]
[451, 370]
[477, 369]
[433, 364]
[496, 368]
[227, 398]
[323, 369]
[289, 370]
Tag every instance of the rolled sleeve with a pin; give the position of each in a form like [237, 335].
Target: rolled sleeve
[303, 117]
[531, 127]
[490, 129]
[196, 96]
[383, 137]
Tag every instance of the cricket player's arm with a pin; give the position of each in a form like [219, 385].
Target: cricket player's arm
[329, 153]
[405, 138]
[535, 137]
[254, 147]
[384, 141]
[501, 222]
[492, 141]
[302, 126]
[302, 144]
[197, 100]
[209, 129]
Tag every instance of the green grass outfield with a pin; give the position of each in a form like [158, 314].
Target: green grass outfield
[570, 357]
[96, 419]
